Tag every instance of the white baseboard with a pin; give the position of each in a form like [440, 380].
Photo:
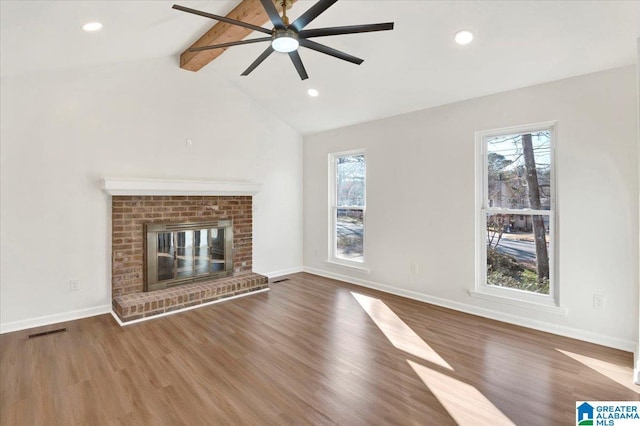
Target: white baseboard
[600, 339]
[8, 327]
[282, 272]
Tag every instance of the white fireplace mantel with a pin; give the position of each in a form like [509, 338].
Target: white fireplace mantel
[124, 186]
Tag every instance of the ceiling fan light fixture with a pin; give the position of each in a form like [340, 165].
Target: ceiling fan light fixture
[285, 41]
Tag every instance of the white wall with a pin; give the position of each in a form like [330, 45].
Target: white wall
[63, 132]
[420, 202]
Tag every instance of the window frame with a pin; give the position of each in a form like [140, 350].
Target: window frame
[333, 208]
[482, 289]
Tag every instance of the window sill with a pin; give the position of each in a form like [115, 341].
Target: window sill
[553, 309]
[349, 265]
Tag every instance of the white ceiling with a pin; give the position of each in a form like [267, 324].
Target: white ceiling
[415, 66]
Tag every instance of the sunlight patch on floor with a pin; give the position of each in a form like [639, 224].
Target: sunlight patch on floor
[465, 404]
[617, 373]
[397, 331]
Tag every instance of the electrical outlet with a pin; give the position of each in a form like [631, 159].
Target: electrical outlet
[413, 268]
[74, 285]
[598, 301]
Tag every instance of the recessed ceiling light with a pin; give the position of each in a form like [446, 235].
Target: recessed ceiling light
[313, 93]
[92, 26]
[463, 37]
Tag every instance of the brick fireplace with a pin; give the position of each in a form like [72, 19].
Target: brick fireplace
[130, 214]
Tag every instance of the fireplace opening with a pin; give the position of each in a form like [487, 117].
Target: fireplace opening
[179, 253]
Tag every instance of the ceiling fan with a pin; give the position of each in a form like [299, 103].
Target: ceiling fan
[286, 37]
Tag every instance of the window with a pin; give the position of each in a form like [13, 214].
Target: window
[516, 214]
[348, 198]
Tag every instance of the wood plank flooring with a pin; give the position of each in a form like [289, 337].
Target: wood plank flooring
[310, 351]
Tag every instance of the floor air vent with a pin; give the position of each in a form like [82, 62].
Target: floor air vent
[44, 333]
[279, 281]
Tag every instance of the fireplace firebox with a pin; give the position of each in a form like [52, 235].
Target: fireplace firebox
[179, 253]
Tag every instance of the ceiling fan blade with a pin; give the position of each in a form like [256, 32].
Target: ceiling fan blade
[268, 51]
[276, 20]
[311, 14]
[231, 43]
[330, 51]
[222, 19]
[350, 29]
[297, 62]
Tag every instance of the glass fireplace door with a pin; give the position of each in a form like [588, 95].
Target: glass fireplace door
[184, 254]
[201, 252]
[217, 250]
[175, 256]
[166, 256]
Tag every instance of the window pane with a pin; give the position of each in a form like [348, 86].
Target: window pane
[519, 171]
[518, 252]
[350, 234]
[350, 174]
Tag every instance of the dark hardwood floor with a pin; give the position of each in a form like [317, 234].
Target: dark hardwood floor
[310, 351]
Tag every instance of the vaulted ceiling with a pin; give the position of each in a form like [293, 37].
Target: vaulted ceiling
[415, 66]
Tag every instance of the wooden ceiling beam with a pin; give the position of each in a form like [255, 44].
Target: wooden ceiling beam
[250, 11]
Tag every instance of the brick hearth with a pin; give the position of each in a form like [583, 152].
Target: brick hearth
[135, 306]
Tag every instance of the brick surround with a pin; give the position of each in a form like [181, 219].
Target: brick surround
[130, 213]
